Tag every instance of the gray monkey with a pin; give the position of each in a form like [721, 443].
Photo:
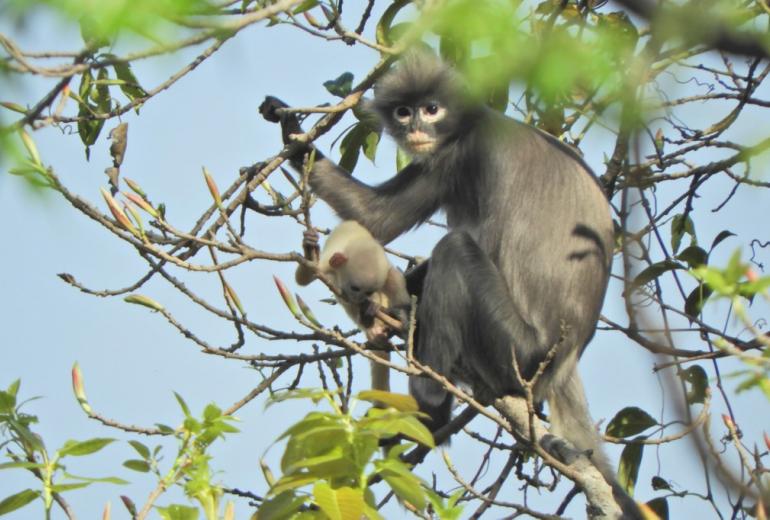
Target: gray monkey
[357, 266]
[522, 272]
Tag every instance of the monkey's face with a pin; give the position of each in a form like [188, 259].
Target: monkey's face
[416, 126]
[362, 276]
[358, 286]
[422, 104]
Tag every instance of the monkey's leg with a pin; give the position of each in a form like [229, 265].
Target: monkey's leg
[380, 373]
[469, 328]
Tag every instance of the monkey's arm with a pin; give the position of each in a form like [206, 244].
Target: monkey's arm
[387, 210]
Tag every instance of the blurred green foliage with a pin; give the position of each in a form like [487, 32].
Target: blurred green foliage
[338, 454]
[102, 20]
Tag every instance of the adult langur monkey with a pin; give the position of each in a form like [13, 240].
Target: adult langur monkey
[357, 266]
[523, 270]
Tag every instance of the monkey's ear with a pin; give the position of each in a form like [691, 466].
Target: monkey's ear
[338, 260]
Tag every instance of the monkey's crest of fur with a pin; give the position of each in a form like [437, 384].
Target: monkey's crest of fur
[417, 75]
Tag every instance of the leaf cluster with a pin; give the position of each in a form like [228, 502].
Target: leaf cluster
[339, 455]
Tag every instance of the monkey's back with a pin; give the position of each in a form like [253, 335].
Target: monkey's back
[546, 224]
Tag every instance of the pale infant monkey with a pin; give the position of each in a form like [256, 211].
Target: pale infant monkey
[356, 265]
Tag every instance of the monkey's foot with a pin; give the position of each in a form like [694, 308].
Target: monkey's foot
[560, 449]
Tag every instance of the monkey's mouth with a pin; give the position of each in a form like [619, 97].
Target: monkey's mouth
[423, 146]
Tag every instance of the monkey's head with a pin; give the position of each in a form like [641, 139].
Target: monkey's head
[421, 102]
[359, 272]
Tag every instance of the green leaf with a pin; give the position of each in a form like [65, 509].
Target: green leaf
[351, 145]
[453, 50]
[311, 422]
[402, 481]
[13, 388]
[402, 159]
[334, 463]
[448, 511]
[699, 383]
[183, 405]
[101, 93]
[364, 446]
[141, 449]
[629, 421]
[695, 301]
[343, 503]
[370, 145]
[63, 488]
[137, 465]
[399, 449]
[628, 469]
[78, 449]
[164, 428]
[751, 289]
[341, 86]
[292, 482]
[393, 424]
[717, 281]
[97, 480]
[497, 97]
[21, 465]
[735, 269]
[659, 506]
[212, 412]
[7, 403]
[19, 500]
[28, 437]
[383, 31]
[314, 394]
[401, 402]
[191, 424]
[680, 226]
[653, 272]
[281, 507]
[305, 6]
[694, 256]
[720, 237]
[178, 512]
[130, 86]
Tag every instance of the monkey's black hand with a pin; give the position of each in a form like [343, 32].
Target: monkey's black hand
[289, 122]
[269, 107]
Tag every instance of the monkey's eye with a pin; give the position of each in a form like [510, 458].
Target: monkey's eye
[355, 288]
[432, 112]
[402, 114]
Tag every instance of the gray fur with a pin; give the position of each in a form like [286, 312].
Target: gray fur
[526, 262]
[367, 281]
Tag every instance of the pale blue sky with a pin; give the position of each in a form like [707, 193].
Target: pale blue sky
[133, 360]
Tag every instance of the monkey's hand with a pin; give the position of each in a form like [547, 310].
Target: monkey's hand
[270, 110]
[394, 321]
[369, 310]
[310, 245]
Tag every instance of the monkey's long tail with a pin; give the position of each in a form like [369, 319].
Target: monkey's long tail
[570, 420]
